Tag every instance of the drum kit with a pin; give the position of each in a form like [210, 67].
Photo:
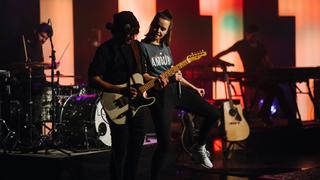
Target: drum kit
[79, 119]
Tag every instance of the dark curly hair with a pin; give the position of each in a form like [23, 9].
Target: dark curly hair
[44, 27]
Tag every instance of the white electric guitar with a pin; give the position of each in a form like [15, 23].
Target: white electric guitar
[117, 105]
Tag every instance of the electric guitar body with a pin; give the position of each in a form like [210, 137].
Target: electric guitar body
[116, 105]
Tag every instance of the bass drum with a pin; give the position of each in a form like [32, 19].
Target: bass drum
[83, 122]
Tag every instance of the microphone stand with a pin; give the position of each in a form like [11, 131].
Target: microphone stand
[53, 67]
[53, 101]
[29, 113]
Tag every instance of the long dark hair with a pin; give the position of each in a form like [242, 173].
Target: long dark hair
[164, 15]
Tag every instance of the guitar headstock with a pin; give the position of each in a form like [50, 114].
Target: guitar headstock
[196, 55]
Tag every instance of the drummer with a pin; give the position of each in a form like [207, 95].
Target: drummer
[34, 63]
[34, 44]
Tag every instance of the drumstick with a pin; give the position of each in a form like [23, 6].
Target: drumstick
[25, 49]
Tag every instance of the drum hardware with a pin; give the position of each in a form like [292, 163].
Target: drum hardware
[84, 123]
[5, 88]
[46, 141]
[71, 90]
[30, 126]
[58, 75]
[9, 138]
[63, 93]
[86, 140]
[30, 64]
[11, 135]
[29, 115]
[4, 76]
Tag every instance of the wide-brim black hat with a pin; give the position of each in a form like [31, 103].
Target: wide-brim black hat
[124, 22]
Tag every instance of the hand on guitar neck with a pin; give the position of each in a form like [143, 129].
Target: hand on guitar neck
[161, 82]
[131, 92]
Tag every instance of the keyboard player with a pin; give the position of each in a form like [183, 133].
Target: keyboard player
[256, 64]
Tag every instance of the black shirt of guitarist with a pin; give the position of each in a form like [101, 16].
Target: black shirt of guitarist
[114, 62]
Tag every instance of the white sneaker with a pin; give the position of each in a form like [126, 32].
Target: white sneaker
[200, 155]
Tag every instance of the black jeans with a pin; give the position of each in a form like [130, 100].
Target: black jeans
[161, 111]
[286, 99]
[127, 142]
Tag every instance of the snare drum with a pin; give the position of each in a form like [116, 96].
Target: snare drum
[83, 121]
[45, 104]
[69, 90]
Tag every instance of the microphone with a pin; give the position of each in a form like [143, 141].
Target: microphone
[49, 30]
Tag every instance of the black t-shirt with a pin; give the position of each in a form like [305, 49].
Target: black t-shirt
[35, 54]
[251, 56]
[114, 62]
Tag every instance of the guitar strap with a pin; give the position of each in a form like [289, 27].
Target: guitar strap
[137, 55]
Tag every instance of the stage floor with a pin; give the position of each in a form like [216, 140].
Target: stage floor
[270, 153]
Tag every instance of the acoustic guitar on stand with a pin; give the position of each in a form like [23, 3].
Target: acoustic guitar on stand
[236, 126]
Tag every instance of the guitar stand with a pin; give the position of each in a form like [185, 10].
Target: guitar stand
[230, 147]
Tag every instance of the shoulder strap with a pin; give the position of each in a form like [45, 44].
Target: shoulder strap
[137, 55]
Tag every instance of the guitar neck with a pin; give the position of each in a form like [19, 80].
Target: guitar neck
[226, 76]
[175, 68]
[168, 73]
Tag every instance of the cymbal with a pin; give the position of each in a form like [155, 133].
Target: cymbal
[39, 64]
[60, 76]
[31, 64]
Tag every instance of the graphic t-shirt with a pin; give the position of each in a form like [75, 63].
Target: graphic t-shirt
[157, 58]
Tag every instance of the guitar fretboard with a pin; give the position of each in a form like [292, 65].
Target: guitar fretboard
[166, 74]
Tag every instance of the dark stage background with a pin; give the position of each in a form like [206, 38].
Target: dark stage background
[192, 32]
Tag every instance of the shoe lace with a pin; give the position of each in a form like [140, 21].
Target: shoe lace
[204, 152]
[207, 153]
